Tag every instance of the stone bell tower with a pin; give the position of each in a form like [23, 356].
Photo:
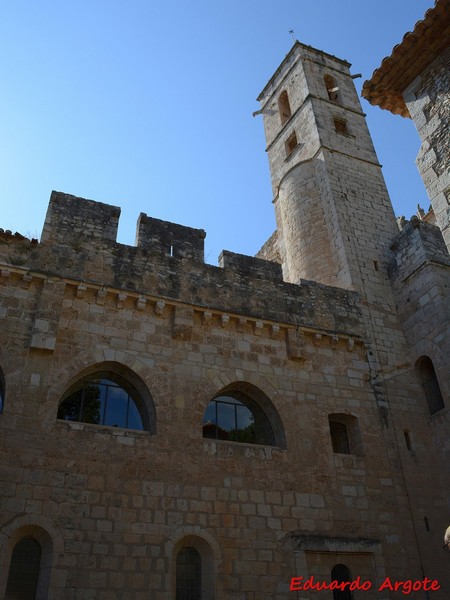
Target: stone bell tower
[334, 218]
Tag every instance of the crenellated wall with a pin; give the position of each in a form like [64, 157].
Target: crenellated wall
[117, 501]
[319, 342]
[241, 284]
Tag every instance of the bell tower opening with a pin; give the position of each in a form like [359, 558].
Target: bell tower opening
[334, 216]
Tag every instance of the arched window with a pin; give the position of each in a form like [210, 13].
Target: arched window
[332, 88]
[284, 107]
[193, 573]
[24, 569]
[243, 413]
[427, 376]
[188, 574]
[345, 434]
[105, 398]
[341, 574]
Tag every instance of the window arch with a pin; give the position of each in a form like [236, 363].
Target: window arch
[332, 88]
[345, 434]
[341, 573]
[114, 397]
[284, 107]
[243, 413]
[430, 384]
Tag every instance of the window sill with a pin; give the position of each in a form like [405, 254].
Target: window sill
[117, 432]
[225, 448]
[346, 461]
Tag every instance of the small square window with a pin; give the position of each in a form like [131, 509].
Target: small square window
[291, 144]
[340, 125]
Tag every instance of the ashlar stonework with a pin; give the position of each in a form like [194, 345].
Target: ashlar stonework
[172, 427]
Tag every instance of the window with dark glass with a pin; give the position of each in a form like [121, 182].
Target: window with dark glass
[103, 399]
[237, 418]
[341, 574]
[430, 384]
[24, 570]
[188, 575]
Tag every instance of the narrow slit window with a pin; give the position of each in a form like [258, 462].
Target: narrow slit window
[2, 390]
[332, 88]
[408, 440]
[284, 107]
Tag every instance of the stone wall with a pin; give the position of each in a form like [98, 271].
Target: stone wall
[420, 275]
[428, 103]
[111, 505]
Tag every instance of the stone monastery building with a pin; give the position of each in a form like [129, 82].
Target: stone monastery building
[172, 430]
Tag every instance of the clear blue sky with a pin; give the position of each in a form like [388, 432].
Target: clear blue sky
[148, 105]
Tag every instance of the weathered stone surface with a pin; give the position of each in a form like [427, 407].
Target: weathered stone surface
[325, 334]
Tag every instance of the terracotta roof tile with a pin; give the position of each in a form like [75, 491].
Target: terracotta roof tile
[418, 49]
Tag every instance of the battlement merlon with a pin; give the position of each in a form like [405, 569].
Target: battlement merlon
[168, 238]
[418, 243]
[75, 250]
[70, 218]
[250, 265]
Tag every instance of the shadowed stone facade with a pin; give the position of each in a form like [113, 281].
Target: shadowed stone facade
[321, 334]
[415, 82]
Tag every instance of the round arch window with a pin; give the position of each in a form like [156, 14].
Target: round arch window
[104, 399]
[430, 384]
[238, 418]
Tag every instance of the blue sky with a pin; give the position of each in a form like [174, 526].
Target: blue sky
[148, 106]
